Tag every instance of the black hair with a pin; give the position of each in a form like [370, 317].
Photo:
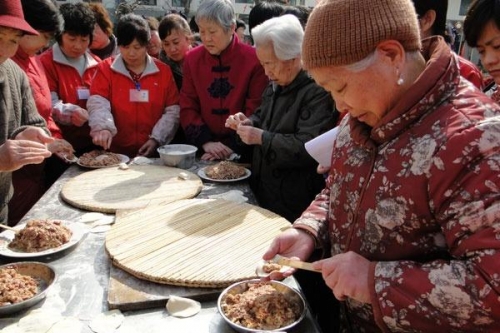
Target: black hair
[240, 24]
[130, 27]
[43, 15]
[441, 9]
[480, 13]
[79, 20]
[301, 12]
[263, 11]
[193, 25]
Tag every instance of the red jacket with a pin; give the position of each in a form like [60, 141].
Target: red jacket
[39, 88]
[64, 80]
[133, 123]
[215, 87]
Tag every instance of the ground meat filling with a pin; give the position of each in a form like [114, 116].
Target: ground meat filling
[225, 170]
[260, 307]
[106, 159]
[40, 235]
[15, 287]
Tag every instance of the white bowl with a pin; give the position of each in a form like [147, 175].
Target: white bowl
[239, 287]
[177, 155]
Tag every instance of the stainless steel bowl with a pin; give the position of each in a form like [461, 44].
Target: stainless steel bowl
[43, 273]
[237, 288]
[177, 155]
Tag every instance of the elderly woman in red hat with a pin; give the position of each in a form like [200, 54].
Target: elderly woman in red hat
[23, 134]
[410, 212]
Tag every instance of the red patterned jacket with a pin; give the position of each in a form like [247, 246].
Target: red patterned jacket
[419, 196]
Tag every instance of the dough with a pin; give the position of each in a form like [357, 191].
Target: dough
[107, 322]
[182, 307]
[91, 217]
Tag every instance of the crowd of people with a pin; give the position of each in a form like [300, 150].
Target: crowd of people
[404, 225]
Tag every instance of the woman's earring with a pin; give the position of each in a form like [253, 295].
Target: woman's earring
[400, 81]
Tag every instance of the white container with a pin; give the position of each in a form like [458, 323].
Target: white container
[177, 155]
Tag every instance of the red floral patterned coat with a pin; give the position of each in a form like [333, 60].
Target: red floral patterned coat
[419, 196]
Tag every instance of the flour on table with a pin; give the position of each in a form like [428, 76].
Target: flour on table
[232, 195]
[39, 321]
[66, 325]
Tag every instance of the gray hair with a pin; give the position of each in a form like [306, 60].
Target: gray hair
[218, 11]
[285, 33]
[372, 57]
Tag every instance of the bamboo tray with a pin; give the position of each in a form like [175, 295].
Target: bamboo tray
[208, 243]
[109, 189]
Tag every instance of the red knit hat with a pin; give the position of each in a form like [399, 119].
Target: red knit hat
[11, 16]
[343, 32]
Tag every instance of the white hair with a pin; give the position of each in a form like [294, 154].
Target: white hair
[285, 33]
[372, 57]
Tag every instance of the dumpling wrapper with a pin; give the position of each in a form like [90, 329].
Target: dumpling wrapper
[91, 217]
[182, 307]
[107, 321]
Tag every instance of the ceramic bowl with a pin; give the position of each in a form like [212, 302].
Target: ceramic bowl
[177, 155]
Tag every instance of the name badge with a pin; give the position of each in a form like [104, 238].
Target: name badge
[139, 95]
[83, 93]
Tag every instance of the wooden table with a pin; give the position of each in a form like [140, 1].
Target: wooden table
[83, 274]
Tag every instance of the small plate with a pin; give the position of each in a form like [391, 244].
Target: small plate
[43, 273]
[8, 236]
[123, 159]
[203, 175]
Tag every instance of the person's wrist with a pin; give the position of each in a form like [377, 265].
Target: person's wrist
[311, 235]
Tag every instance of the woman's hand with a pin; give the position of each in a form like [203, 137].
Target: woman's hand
[216, 151]
[79, 116]
[102, 138]
[291, 243]
[250, 135]
[36, 134]
[148, 148]
[15, 154]
[235, 120]
[347, 275]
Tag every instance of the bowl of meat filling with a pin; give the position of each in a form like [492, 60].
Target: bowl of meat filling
[24, 284]
[256, 306]
[177, 155]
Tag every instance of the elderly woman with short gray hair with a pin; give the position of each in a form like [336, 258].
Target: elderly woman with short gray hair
[294, 110]
[221, 78]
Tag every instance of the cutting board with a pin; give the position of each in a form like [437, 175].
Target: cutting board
[109, 189]
[207, 243]
[126, 292]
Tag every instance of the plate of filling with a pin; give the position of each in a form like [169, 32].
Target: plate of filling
[224, 172]
[97, 159]
[23, 284]
[39, 238]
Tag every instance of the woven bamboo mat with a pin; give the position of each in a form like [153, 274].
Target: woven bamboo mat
[109, 189]
[194, 243]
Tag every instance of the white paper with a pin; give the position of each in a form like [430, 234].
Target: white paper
[321, 147]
